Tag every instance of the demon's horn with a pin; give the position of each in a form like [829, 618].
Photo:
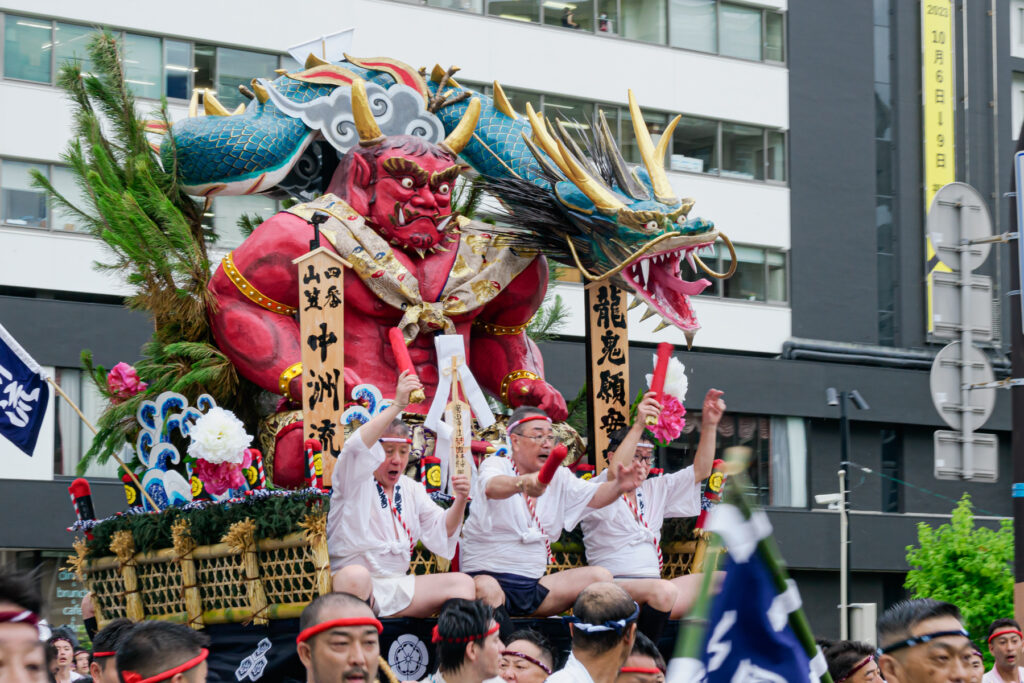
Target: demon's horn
[463, 133]
[366, 125]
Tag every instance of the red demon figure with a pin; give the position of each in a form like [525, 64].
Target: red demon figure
[414, 267]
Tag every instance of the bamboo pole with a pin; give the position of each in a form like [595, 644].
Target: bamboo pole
[88, 424]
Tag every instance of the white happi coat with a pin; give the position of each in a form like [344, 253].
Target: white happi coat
[616, 540]
[500, 536]
[360, 526]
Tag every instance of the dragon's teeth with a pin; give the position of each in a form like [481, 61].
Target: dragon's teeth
[401, 216]
[689, 259]
[645, 267]
[444, 223]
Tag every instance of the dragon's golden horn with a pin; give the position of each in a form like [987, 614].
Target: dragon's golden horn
[501, 102]
[732, 266]
[261, 92]
[541, 137]
[603, 198]
[366, 125]
[463, 133]
[193, 104]
[212, 106]
[654, 159]
[312, 60]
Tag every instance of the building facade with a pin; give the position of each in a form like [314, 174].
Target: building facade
[800, 141]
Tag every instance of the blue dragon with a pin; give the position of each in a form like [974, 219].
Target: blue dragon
[570, 196]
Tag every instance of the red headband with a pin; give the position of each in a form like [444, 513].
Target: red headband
[860, 665]
[532, 660]
[526, 419]
[357, 621]
[641, 670]
[436, 637]
[1004, 632]
[133, 677]
[24, 616]
[103, 654]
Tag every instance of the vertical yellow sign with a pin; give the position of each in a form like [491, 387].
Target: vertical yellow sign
[938, 115]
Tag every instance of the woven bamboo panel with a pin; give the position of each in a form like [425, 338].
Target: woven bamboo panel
[288, 575]
[108, 590]
[221, 582]
[161, 587]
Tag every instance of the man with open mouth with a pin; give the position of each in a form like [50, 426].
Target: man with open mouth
[1004, 642]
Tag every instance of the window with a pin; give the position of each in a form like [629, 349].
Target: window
[761, 274]
[694, 25]
[892, 469]
[741, 151]
[64, 183]
[749, 280]
[143, 61]
[740, 33]
[788, 467]
[656, 123]
[21, 203]
[178, 69]
[461, 5]
[774, 37]
[227, 210]
[27, 48]
[517, 10]
[1017, 104]
[239, 67]
[643, 20]
[775, 156]
[72, 438]
[577, 15]
[694, 145]
[71, 45]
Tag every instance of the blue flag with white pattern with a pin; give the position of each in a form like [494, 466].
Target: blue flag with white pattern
[748, 637]
[23, 394]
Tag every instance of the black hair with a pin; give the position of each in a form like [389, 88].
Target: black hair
[597, 604]
[843, 655]
[21, 588]
[110, 638]
[398, 427]
[524, 411]
[1000, 624]
[896, 622]
[547, 650]
[63, 633]
[311, 614]
[459, 620]
[646, 647]
[153, 647]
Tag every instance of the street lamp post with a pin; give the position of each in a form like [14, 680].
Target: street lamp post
[839, 398]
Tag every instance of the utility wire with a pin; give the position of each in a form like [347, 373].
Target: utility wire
[907, 484]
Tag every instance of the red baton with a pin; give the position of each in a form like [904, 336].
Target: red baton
[555, 458]
[403, 360]
[660, 370]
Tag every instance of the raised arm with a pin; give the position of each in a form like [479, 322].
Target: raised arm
[627, 478]
[378, 424]
[711, 415]
[623, 455]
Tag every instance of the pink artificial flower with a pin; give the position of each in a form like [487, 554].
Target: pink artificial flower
[670, 421]
[123, 383]
[218, 478]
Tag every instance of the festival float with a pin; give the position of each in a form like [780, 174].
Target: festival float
[260, 365]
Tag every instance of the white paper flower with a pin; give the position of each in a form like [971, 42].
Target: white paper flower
[676, 383]
[219, 436]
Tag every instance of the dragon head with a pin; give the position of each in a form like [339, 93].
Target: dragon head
[623, 222]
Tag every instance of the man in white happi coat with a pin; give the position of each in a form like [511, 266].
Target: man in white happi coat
[625, 537]
[603, 627]
[514, 519]
[378, 514]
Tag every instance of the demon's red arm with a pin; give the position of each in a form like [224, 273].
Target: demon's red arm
[504, 360]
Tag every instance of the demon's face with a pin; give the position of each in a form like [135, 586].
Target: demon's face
[403, 188]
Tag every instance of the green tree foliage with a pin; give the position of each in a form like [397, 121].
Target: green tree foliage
[966, 565]
[155, 239]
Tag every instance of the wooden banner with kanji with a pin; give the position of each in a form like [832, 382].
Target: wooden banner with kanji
[607, 367]
[322, 331]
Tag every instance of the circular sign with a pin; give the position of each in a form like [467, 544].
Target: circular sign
[958, 213]
[946, 380]
[408, 657]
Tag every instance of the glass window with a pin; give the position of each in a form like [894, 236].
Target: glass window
[227, 210]
[748, 282]
[883, 222]
[64, 182]
[892, 468]
[578, 15]
[205, 63]
[740, 32]
[517, 10]
[776, 275]
[27, 44]
[575, 115]
[461, 5]
[695, 146]
[656, 123]
[644, 20]
[238, 67]
[72, 45]
[608, 17]
[774, 37]
[882, 54]
[775, 156]
[883, 167]
[694, 25]
[177, 68]
[143, 63]
[72, 438]
[741, 151]
[289, 64]
[883, 111]
[21, 203]
[788, 462]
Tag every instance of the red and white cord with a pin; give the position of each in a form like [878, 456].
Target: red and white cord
[531, 505]
[639, 516]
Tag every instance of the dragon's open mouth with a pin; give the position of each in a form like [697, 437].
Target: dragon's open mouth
[656, 280]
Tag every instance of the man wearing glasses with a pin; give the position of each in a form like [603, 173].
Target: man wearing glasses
[923, 641]
[514, 518]
[625, 537]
